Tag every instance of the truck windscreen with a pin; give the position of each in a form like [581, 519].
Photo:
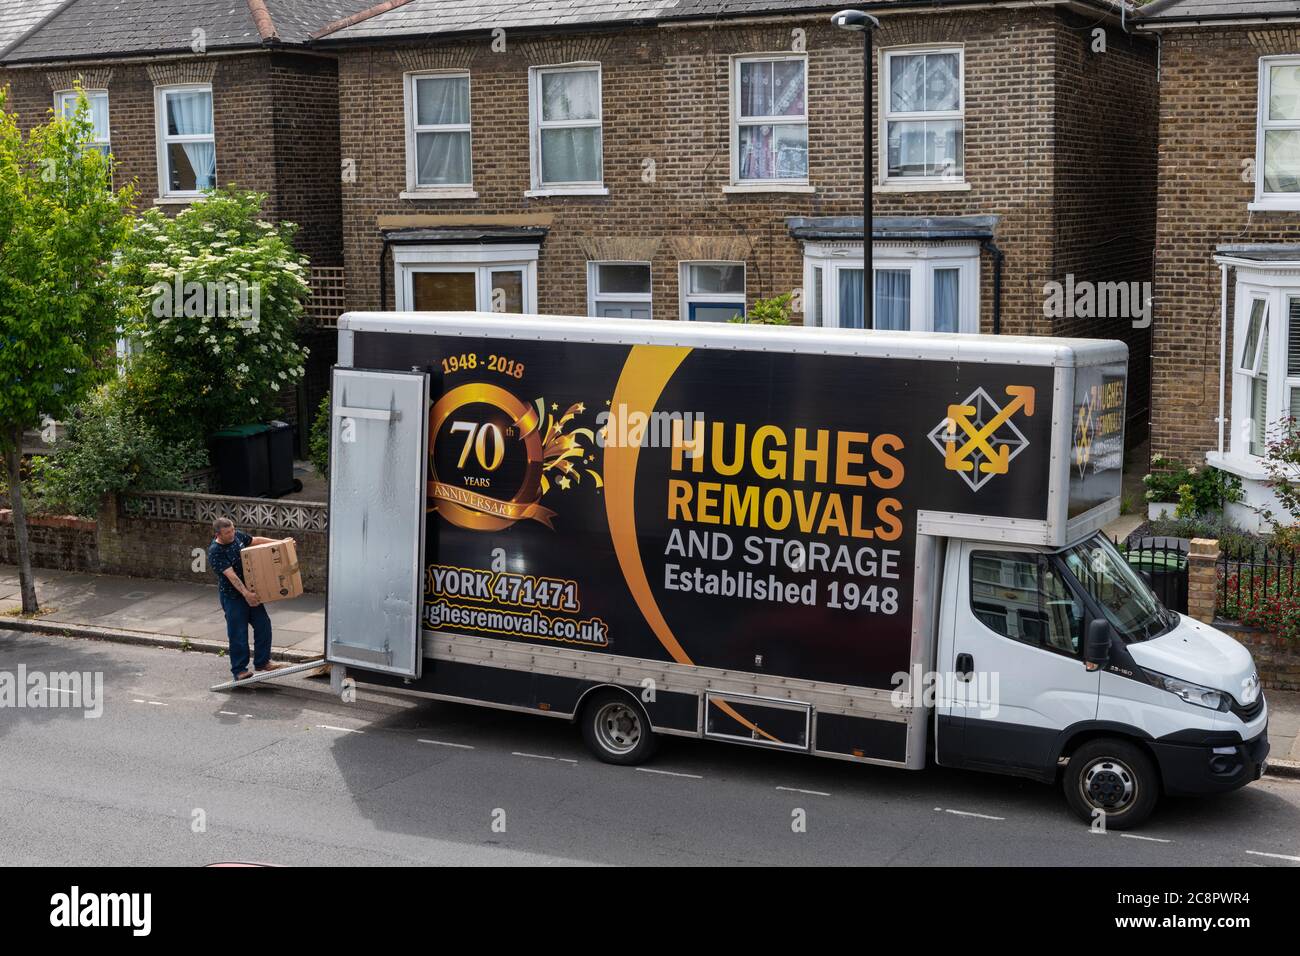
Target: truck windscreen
[1126, 600]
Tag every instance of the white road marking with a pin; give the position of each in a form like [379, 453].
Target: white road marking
[227, 713]
[1275, 856]
[967, 813]
[61, 690]
[669, 773]
[141, 700]
[446, 743]
[346, 730]
[1134, 836]
[516, 753]
[814, 793]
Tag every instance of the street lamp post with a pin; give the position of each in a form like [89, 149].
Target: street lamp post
[864, 23]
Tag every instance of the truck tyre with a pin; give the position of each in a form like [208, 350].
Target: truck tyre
[617, 729]
[1115, 777]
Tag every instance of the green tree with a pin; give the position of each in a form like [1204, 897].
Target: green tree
[61, 226]
[217, 298]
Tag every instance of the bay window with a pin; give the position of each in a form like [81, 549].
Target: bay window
[923, 116]
[926, 287]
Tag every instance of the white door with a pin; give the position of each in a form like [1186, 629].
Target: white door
[378, 429]
[1017, 633]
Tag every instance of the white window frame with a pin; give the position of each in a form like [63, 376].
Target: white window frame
[944, 181]
[923, 260]
[737, 184]
[688, 298]
[830, 258]
[1264, 200]
[1276, 290]
[535, 127]
[414, 190]
[595, 296]
[163, 140]
[63, 97]
[482, 260]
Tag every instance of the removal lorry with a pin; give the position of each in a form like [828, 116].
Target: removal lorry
[878, 547]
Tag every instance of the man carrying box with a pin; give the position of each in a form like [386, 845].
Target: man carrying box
[240, 602]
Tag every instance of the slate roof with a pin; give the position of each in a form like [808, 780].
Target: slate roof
[1174, 11]
[19, 16]
[83, 29]
[396, 18]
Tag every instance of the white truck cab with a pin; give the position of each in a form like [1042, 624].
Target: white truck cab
[1072, 667]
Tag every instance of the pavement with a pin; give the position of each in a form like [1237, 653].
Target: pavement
[188, 616]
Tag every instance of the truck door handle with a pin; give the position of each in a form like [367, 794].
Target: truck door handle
[965, 666]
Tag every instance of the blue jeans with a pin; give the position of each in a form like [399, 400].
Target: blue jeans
[238, 616]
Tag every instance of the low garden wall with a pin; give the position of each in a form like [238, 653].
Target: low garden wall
[166, 535]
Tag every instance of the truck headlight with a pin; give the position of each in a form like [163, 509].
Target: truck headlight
[1192, 693]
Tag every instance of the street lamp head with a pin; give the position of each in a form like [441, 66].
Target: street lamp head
[854, 20]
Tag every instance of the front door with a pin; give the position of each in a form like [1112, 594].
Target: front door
[378, 438]
[1017, 647]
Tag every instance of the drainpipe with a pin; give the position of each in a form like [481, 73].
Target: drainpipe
[998, 257]
[383, 274]
[1223, 347]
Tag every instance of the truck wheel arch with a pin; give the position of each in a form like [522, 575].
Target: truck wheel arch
[586, 696]
[1076, 735]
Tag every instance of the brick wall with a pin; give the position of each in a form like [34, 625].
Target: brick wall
[666, 95]
[62, 543]
[1208, 97]
[1105, 189]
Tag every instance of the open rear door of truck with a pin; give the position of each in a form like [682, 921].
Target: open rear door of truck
[378, 429]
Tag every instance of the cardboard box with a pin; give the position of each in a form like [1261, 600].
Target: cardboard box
[272, 570]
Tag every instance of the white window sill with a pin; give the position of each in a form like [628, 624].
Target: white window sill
[743, 188]
[177, 200]
[922, 187]
[1246, 466]
[556, 191]
[1275, 205]
[452, 192]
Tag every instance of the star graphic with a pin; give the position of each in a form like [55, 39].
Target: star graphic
[554, 407]
[581, 408]
[563, 482]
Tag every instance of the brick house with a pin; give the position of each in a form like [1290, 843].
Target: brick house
[680, 161]
[188, 94]
[1226, 361]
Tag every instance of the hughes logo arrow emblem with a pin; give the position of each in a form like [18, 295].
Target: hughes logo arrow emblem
[979, 438]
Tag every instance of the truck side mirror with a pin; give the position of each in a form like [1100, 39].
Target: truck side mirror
[1096, 647]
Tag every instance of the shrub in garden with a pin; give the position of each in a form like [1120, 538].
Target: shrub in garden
[318, 439]
[109, 447]
[1269, 601]
[218, 300]
[1197, 491]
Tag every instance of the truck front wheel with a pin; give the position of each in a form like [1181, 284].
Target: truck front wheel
[617, 729]
[1113, 777]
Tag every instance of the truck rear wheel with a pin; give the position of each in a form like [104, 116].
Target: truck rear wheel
[1113, 777]
[617, 729]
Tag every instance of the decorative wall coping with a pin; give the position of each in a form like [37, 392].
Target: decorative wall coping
[265, 513]
[50, 521]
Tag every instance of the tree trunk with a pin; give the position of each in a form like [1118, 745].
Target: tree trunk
[14, 460]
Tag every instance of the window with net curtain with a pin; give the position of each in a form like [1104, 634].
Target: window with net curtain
[96, 113]
[924, 124]
[189, 146]
[440, 130]
[567, 112]
[772, 120]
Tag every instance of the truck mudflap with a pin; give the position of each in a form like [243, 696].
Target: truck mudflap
[1195, 762]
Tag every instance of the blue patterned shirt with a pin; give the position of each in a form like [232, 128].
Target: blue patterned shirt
[222, 556]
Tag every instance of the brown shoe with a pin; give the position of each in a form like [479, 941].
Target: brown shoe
[244, 676]
[271, 666]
